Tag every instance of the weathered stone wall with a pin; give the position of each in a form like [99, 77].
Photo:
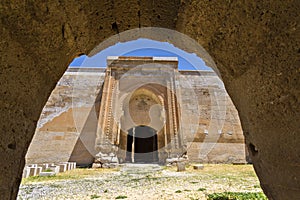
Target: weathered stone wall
[219, 138]
[62, 132]
[255, 45]
[65, 131]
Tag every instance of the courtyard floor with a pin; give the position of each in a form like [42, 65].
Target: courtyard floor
[165, 183]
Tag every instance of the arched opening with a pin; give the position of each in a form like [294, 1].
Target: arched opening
[255, 44]
[142, 145]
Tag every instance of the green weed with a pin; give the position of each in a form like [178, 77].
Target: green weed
[237, 196]
[121, 197]
[94, 196]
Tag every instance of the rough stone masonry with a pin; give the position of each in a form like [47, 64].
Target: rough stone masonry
[255, 45]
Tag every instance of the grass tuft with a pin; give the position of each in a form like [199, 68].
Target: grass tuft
[121, 197]
[94, 196]
[237, 196]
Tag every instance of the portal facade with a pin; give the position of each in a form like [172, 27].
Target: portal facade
[139, 118]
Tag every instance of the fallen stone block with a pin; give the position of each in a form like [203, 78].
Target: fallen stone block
[63, 167]
[197, 167]
[69, 165]
[180, 166]
[25, 173]
[110, 165]
[73, 165]
[31, 170]
[97, 165]
[38, 170]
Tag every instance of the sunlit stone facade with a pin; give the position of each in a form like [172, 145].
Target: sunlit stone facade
[140, 109]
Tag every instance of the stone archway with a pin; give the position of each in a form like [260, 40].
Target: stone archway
[142, 145]
[255, 45]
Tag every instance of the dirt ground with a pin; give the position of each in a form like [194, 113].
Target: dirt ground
[142, 183]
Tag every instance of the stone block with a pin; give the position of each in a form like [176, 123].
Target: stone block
[71, 165]
[32, 170]
[38, 170]
[25, 173]
[110, 165]
[96, 165]
[68, 165]
[63, 167]
[180, 166]
[74, 165]
[197, 167]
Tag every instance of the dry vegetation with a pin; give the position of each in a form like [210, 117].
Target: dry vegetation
[165, 184]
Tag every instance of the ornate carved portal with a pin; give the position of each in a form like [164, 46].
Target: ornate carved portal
[139, 115]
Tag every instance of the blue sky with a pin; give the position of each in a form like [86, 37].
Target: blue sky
[142, 47]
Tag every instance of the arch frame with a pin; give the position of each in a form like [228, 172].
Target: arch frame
[254, 44]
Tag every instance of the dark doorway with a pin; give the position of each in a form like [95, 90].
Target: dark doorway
[145, 145]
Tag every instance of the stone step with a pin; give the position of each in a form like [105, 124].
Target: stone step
[132, 168]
